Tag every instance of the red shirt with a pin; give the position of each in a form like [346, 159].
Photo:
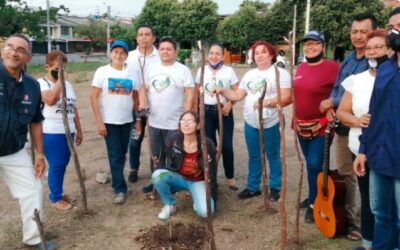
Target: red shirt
[190, 168]
[313, 84]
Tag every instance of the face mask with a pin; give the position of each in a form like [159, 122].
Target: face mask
[394, 40]
[315, 59]
[54, 74]
[374, 63]
[217, 65]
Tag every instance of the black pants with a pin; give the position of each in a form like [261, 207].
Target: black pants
[367, 218]
[211, 127]
[135, 146]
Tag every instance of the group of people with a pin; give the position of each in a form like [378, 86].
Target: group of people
[359, 99]
[147, 86]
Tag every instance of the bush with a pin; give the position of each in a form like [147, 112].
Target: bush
[183, 54]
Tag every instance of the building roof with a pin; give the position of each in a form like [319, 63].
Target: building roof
[71, 20]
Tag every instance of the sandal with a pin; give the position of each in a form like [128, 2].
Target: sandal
[354, 235]
[232, 184]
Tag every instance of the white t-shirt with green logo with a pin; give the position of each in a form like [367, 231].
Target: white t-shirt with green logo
[253, 83]
[116, 103]
[225, 77]
[166, 93]
[53, 122]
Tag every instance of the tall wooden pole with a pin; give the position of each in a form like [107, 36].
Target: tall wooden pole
[220, 129]
[262, 147]
[68, 134]
[282, 200]
[39, 224]
[32, 148]
[292, 45]
[204, 151]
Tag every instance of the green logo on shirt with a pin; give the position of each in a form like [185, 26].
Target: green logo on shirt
[159, 85]
[256, 85]
[210, 86]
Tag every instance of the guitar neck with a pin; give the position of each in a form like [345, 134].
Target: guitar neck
[326, 158]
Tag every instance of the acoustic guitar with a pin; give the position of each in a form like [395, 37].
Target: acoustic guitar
[329, 206]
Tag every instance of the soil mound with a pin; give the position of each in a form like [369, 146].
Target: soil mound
[174, 236]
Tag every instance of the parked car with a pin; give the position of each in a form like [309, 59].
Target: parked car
[281, 59]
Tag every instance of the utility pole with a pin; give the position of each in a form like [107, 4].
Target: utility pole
[48, 26]
[108, 30]
[307, 24]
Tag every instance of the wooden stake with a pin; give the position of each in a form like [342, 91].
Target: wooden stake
[220, 130]
[282, 205]
[292, 50]
[68, 135]
[204, 151]
[32, 149]
[154, 159]
[262, 148]
[39, 224]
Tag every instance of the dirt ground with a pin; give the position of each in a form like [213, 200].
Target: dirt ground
[238, 224]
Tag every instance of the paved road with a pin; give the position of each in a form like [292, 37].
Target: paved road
[97, 57]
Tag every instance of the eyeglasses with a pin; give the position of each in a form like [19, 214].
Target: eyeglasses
[20, 51]
[187, 122]
[377, 47]
[311, 44]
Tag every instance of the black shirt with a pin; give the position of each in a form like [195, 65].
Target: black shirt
[20, 104]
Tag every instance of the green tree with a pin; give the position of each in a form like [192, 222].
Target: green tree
[158, 14]
[123, 32]
[334, 17]
[241, 29]
[195, 20]
[96, 31]
[17, 17]
[259, 5]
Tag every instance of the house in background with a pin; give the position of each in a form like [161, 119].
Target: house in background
[62, 36]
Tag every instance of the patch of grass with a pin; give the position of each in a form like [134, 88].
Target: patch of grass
[38, 69]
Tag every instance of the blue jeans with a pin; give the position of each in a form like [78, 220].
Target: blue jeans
[167, 182]
[57, 154]
[135, 147]
[313, 151]
[117, 140]
[385, 205]
[211, 127]
[272, 142]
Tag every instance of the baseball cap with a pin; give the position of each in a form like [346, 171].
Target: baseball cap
[120, 43]
[315, 35]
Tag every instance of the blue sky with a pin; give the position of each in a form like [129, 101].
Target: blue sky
[123, 8]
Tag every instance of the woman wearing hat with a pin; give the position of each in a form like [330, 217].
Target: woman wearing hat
[312, 83]
[113, 84]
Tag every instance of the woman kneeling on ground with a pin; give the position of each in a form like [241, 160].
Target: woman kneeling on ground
[184, 169]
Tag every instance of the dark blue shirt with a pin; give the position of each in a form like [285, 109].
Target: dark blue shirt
[350, 66]
[20, 104]
[381, 140]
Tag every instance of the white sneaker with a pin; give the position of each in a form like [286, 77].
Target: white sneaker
[120, 199]
[166, 212]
